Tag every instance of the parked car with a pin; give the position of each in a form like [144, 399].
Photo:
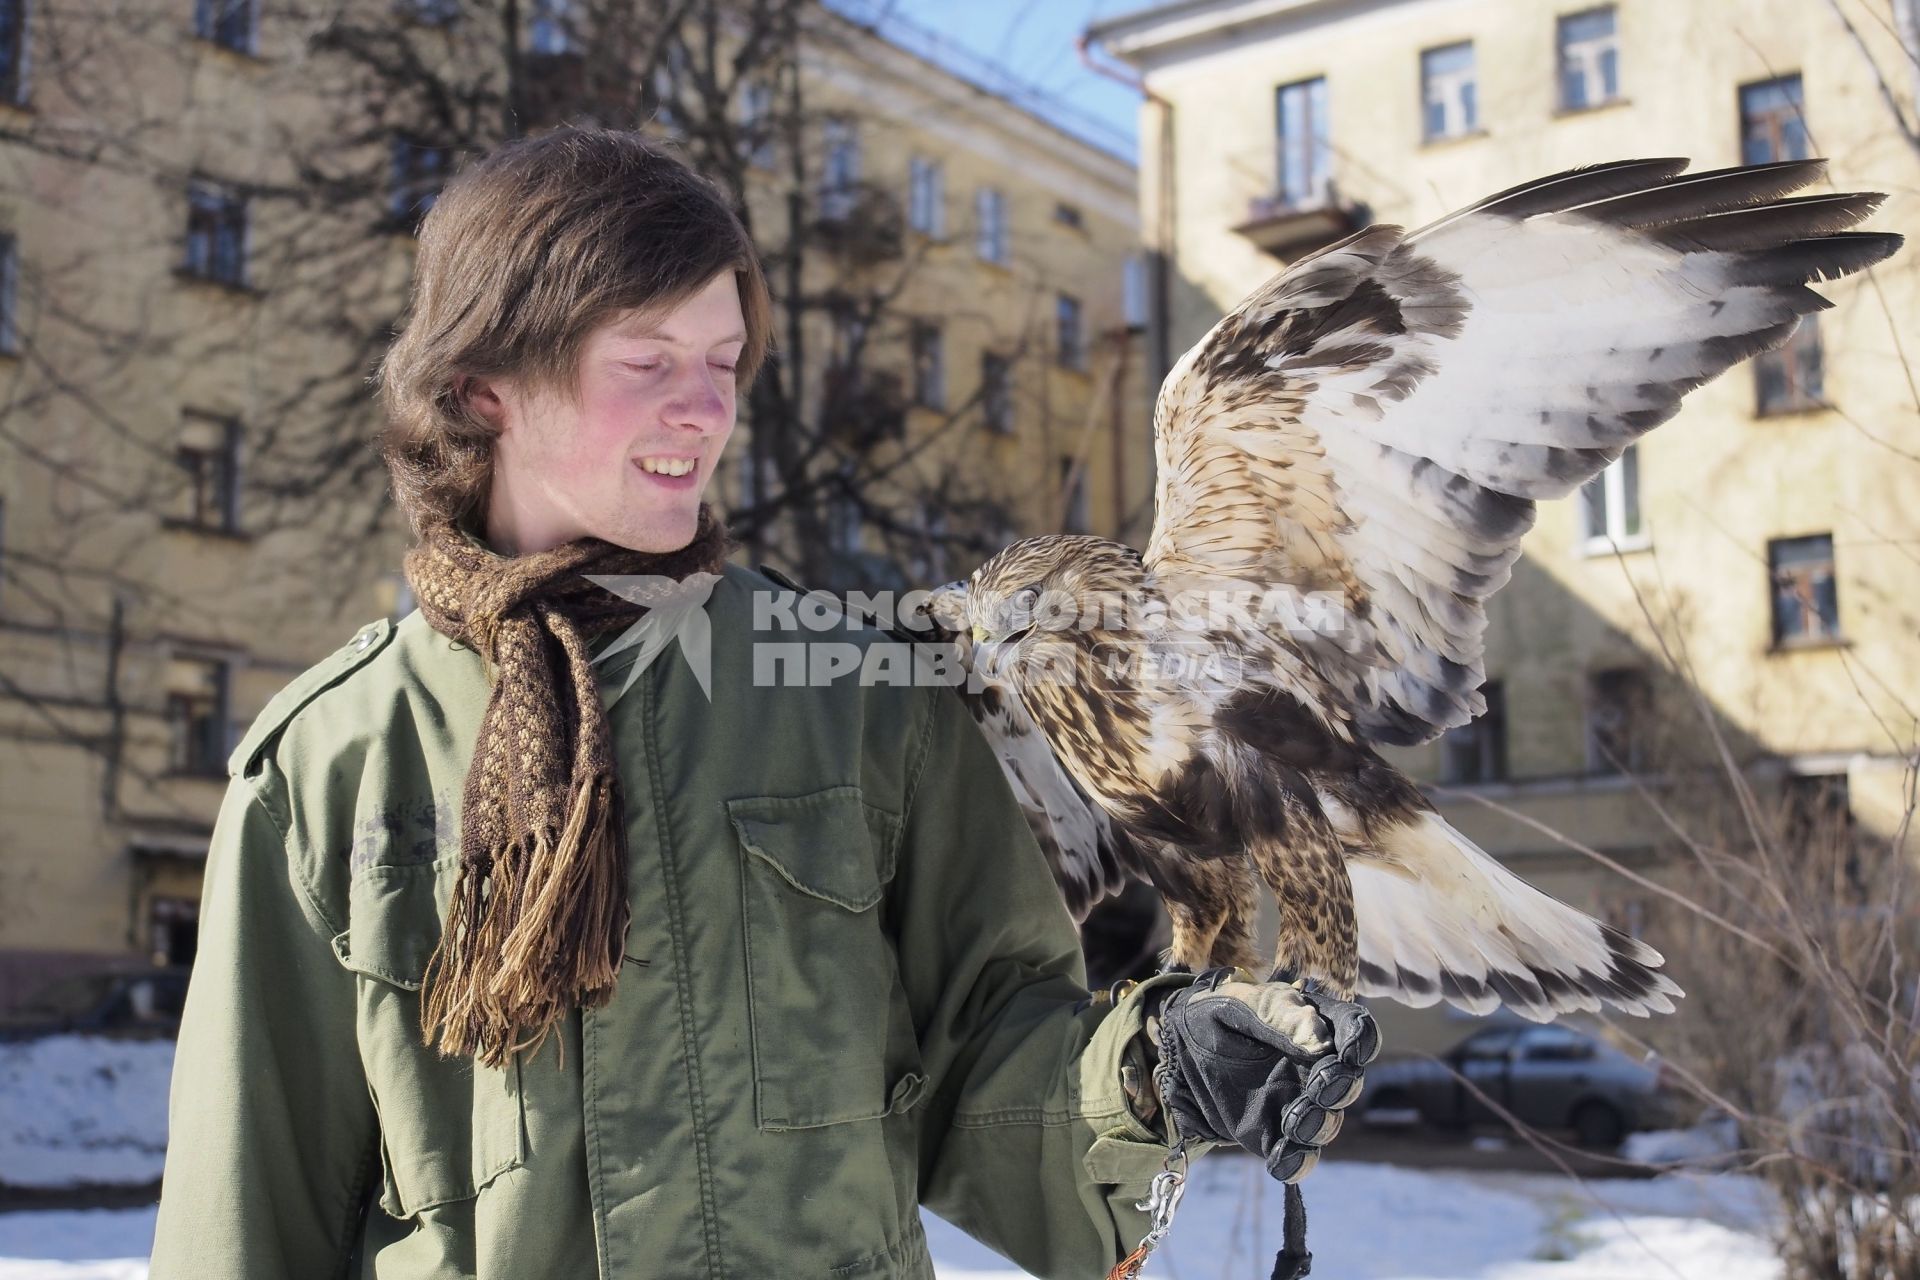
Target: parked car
[132, 1002]
[1549, 1077]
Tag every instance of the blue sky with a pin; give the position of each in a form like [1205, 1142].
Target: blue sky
[1029, 40]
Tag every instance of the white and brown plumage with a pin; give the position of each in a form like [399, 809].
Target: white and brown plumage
[1377, 423]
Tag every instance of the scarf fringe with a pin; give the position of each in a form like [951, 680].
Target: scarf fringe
[540, 931]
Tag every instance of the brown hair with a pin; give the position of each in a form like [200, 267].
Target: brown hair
[522, 256]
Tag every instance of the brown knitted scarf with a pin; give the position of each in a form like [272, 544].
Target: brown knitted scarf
[538, 921]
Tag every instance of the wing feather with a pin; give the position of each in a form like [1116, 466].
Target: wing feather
[1379, 420]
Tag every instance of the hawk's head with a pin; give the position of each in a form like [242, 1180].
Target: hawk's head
[1037, 600]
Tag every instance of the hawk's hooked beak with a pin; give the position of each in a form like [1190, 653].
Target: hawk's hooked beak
[979, 634]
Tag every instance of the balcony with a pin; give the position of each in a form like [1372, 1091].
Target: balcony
[862, 223]
[1290, 227]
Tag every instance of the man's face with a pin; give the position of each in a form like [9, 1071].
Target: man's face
[629, 461]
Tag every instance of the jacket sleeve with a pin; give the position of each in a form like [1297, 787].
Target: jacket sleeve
[271, 1129]
[1026, 1139]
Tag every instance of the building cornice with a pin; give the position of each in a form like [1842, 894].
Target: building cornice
[1149, 35]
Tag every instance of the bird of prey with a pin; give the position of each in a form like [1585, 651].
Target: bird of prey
[1370, 430]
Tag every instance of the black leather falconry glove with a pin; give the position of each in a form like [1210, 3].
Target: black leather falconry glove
[1268, 1065]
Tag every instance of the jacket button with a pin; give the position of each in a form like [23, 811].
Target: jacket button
[361, 641]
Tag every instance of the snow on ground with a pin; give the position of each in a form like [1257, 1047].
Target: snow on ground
[1378, 1222]
[1365, 1222]
[93, 1244]
[83, 1110]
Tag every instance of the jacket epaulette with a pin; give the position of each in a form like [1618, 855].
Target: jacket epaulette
[893, 629]
[305, 687]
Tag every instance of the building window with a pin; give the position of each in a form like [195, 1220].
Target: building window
[1806, 603]
[1788, 378]
[419, 171]
[840, 173]
[1068, 215]
[1610, 505]
[550, 28]
[1619, 707]
[670, 71]
[173, 927]
[756, 123]
[430, 13]
[990, 218]
[1305, 163]
[199, 698]
[209, 456]
[1070, 337]
[1073, 496]
[927, 197]
[227, 23]
[996, 392]
[13, 51]
[929, 365]
[9, 296]
[1816, 802]
[1447, 91]
[216, 234]
[1477, 751]
[843, 523]
[1773, 125]
[1589, 57]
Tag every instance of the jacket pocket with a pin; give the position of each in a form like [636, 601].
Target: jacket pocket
[832, 1034]
[448, 1126]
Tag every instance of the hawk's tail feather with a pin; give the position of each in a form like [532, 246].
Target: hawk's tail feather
[1439, 919]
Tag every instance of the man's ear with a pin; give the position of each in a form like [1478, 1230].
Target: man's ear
[484, 396]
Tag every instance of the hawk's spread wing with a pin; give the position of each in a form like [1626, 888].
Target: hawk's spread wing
[1378, 420]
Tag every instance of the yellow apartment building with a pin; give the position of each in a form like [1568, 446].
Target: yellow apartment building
[1770, 533]
[173, 502]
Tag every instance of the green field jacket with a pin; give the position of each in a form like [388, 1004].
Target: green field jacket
[850, 989]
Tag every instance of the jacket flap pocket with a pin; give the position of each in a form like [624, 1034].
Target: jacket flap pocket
[821, 843]
[394, 917]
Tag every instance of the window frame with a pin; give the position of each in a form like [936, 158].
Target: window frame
[9, 294]
[1483, 739]
[1778, 136]
[840, 167]
[1835, 634]
[1638, 686]
[1804, 349]
[991, 241]
[1470, 102]
[1070, 332]
[16, 59]
[928, 350]
[225, 500]
[927, 196]
[210, 15]
[215, 208]
[757, 97]
[1620, 491]
[1315, 143]
[184, 758]
[1560, 50]
[404, 180]
[996, 392]
[550, 32]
